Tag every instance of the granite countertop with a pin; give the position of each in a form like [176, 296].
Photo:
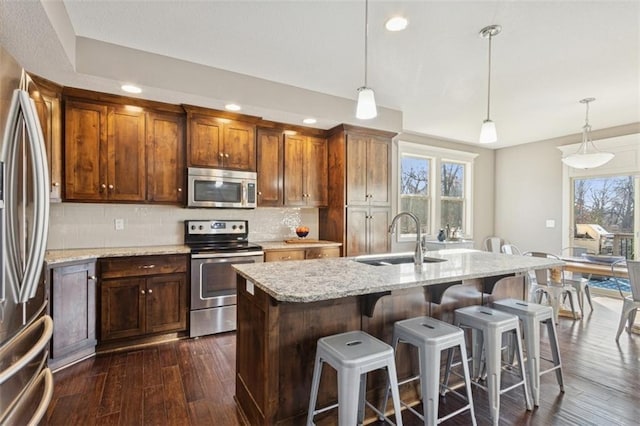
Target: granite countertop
[324, 279]
[303, 244]
[52, 257]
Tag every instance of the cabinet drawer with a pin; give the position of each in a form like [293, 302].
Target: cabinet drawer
[117, 267]
[321, 253]
[275, 256]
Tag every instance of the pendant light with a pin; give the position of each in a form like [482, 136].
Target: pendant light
[366, 107]
[488, 131]
[587, 156]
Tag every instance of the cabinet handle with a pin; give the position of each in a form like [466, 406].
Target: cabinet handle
[179, 189]
[221, 155]
[142, 291]
[259, 192]
[150, 291]
[226, 156]
[56, 184]
[285, 258]
[92, 277]
[146, 267]
[103, 187]
[110, 187]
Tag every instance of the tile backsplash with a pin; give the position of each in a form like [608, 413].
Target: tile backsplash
[80, 225]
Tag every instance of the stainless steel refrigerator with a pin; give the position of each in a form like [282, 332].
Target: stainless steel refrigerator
[26, 383]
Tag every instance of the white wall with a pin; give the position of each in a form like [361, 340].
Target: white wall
[529, 190]
[77, 225]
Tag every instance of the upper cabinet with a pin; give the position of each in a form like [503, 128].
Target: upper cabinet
[221, 140]
[47, 97]
[368, 176]
[305, 171]
[165, 158]
[269, 164]
[122, 150]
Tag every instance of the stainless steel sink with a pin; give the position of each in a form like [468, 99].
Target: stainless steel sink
[393, 260]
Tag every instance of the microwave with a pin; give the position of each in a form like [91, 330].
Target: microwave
[221, 188]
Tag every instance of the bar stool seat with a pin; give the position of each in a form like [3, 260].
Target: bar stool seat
[531, 315]
[431, 337]
[353, 354]
[487, 326]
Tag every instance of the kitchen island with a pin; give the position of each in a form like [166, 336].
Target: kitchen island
[284, 307]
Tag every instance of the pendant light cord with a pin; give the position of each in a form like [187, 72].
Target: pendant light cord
[366, 44]
[489, 81]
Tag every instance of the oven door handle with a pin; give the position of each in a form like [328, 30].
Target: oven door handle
[226, 255]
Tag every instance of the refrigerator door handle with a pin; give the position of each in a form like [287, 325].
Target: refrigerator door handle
[24, 264]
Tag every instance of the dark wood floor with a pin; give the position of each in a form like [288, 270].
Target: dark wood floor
[191, 382]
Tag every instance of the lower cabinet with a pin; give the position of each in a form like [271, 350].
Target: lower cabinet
[72, 305]
[142, 295]
[301, 254]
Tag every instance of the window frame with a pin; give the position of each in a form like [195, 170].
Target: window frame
[437, 156]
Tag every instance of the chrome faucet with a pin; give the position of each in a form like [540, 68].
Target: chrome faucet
[417, 255]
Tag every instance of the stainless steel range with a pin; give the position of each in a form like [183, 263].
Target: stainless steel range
[215, 246]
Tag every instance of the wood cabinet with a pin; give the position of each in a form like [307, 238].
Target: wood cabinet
[72, 305]
[359, 205]
[142, 295]
[305, 171]
[47, 97]
[216, 140]
[119, 149]
[269, 166]
[104, 152]
[165, 158]
[301, 254]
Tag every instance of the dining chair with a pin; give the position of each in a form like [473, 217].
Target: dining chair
[576, 279]
[550, 282]
[631, 302]
[510, 249]
[492, 244]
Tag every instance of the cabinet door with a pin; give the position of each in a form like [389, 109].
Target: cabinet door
[73, 308]
[85, 151]
[356, 233]
[378, 173]
[294, 154]
[270, 159]
[204, 144]
[48, 106]
[378, 232]
[356, 165]
[165, 158]
[239, 146]
[165, 304]
[126, 169]
[315, 172]
[122, 310]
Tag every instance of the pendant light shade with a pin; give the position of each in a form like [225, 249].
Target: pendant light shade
[587, 156]
[488, 132]
[366, 108]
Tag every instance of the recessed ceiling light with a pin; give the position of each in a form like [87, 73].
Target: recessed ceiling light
[309, 120]
[130, 88]
[397, 23]
[233, 107]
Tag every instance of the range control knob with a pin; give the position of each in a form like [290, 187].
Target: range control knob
[193, 227]
[241, 227]
[201, 227]
[234, 227]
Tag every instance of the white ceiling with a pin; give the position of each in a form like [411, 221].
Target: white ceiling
[549, 56]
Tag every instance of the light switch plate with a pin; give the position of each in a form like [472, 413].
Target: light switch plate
[250, 289]
[551, 223]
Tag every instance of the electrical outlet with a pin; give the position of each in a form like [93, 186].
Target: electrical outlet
[551, 223]
[119, 224]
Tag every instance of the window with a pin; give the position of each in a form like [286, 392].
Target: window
[435, 185]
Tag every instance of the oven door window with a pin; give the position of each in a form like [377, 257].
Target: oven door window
[217, 191]
[219, 278]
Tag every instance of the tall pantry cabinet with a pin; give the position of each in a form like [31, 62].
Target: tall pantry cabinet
[359, 208]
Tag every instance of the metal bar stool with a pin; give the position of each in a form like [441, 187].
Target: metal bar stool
[531, 315]
[487, 326]
[353, 354]
[431, 337]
